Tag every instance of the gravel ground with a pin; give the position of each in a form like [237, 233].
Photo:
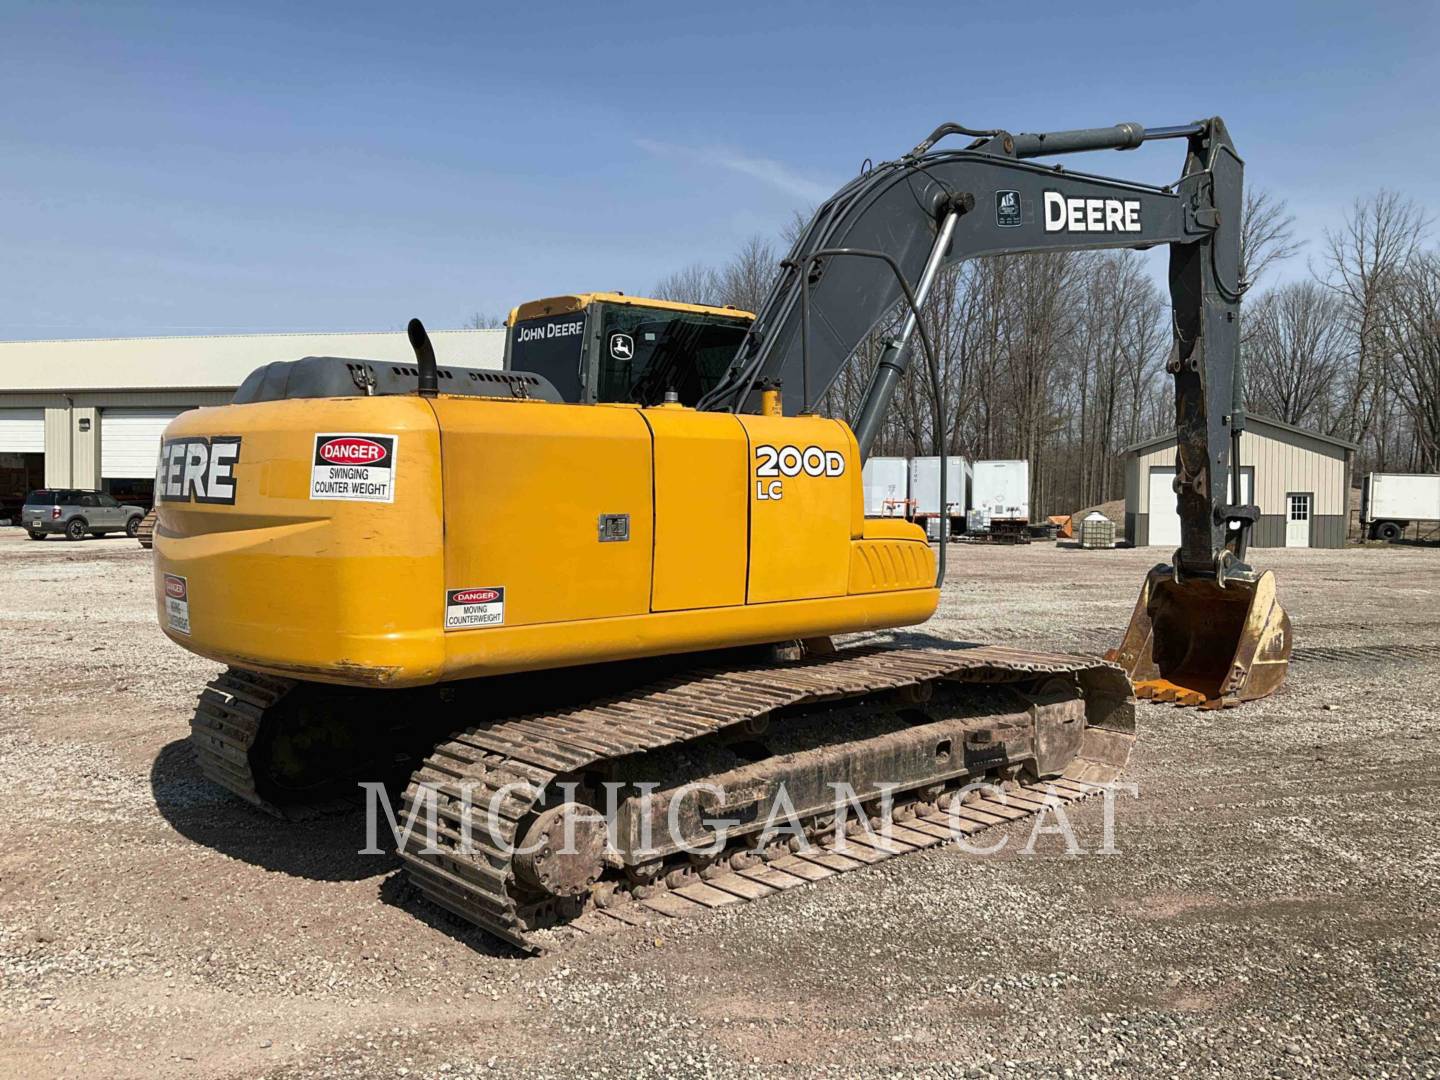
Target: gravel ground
[1272, 910]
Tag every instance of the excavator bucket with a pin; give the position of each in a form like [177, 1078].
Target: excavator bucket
[1201, 643]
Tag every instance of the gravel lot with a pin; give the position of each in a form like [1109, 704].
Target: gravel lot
[1272, 910]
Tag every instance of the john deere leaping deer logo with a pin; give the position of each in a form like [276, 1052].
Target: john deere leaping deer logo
[622, 346]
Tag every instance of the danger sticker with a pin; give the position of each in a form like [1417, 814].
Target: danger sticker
[354, 467]
[465, 609]
[177, 604]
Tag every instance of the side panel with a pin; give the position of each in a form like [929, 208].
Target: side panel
[1414, 497]
[341, 591]
[701, 511]
[806, 504]
[550, 345]
[526, 485]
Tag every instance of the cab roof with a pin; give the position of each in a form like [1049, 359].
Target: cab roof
[560, 305]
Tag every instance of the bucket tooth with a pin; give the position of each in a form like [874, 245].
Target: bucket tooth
[1198, 643]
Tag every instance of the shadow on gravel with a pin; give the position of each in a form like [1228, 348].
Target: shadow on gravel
[396, 891]
[921, 640]
[324, 849]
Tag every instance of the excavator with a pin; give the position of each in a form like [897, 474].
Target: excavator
[580, 611]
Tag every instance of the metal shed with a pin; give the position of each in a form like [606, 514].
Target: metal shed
[1300, 480]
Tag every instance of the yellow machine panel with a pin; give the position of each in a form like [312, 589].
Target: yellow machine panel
[252, 568]
[398, 541]
[805, 507]
[528, 489]
[879, 564]
[701, 519]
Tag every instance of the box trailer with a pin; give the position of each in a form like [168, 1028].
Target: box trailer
[886, 483]
[1000, 493]
[925, 492]
[1389, 502]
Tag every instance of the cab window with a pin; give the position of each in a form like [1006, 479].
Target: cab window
[645, 352]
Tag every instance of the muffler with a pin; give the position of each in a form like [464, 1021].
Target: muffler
[1202, 643]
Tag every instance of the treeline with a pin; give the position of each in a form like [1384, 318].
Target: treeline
[1059, 358]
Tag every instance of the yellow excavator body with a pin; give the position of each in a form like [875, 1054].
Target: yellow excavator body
[401, 541]
[557, 583]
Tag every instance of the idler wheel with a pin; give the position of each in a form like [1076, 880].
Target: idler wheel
[546, 863]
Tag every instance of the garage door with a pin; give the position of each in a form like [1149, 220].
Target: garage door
[1165, 519]
[22, 431]
[130, 441]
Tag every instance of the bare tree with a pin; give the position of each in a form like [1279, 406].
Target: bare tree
[1146, 340]
[746, 279]
[484, 320]
[742, 282]
[1410, 331]
[1365, 259]
[695, 284]
[1297, 348]
[1267, 234]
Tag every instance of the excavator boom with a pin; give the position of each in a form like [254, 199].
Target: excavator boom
[897, 223]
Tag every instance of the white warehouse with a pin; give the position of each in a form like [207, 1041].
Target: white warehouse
[89, 413]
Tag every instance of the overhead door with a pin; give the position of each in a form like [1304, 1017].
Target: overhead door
[130, 441]
[22, 431]
[1165, 518]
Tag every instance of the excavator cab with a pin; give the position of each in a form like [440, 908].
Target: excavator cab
[609, 347]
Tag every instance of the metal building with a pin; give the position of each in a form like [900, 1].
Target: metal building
[89, 413]
[1300, 480]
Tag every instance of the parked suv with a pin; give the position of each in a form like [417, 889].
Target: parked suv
[76, 512]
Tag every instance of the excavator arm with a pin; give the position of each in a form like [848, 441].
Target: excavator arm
[1207, 629]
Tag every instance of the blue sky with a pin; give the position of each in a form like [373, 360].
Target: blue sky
[216, 168]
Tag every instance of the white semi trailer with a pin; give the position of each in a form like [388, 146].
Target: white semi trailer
[1000, 496]
[925, 492]
[886, 482]
[1389, 502]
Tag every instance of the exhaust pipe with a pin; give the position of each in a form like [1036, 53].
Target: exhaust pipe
[429, 382]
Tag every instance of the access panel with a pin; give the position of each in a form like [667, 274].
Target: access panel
[548, 512]
[805, 507]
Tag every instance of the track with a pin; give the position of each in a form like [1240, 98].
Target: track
[225, 726]
[146, 535]
[911, 831]
[513, 764]
[226, 730]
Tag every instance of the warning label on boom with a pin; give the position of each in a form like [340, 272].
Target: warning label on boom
[354, 467]
[466, 609]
